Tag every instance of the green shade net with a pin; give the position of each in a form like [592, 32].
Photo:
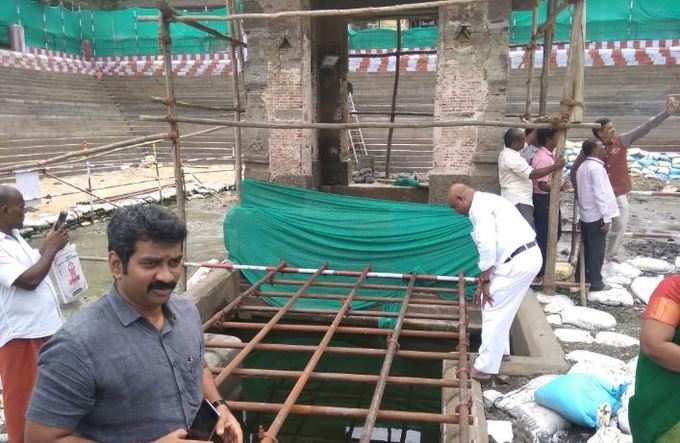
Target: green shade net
[307, 228]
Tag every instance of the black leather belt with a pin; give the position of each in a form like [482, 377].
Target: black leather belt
[521, 249]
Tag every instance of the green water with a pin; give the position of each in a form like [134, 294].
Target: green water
[314, 429]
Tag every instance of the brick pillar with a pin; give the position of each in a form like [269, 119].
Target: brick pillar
[471, 81]
[280, 85]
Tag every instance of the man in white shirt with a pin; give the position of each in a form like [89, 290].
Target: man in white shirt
[597, 207]
[509, 259]
[29, 309]
[515, 174]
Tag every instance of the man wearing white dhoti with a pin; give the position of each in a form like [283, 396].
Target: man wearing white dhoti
[509, 260]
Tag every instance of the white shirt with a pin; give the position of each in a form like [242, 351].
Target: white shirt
[498, 229]
[595, 195]
[23, 313]
[513, 175]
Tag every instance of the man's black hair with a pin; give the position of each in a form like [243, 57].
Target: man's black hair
[142, 223]
[510, 136]
[604, 121]
[589, 146]
[544, 134]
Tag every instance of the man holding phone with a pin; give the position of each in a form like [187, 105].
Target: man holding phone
[129, 367]
[29, 310]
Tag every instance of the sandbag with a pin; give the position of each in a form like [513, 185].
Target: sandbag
[558, 304]
[612, 297]
[538, 422]
[574, 336]
[643, 287]
[610, 369]
[577, 397]
[622, 414]
[587, 318]
[554, 319]
[615, 339]
[623, 269]
[650, 264]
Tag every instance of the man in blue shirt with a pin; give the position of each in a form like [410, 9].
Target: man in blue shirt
[129, 367]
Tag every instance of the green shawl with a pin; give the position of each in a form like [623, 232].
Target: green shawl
[655, 407]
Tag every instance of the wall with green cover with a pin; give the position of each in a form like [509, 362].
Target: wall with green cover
[120, 33]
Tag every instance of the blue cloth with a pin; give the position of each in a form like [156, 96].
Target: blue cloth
[577, 397]
[111, 376]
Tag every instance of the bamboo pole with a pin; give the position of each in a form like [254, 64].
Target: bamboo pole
[197, 106]
[392, 54]
[393, 107]
[572, 106]
[531, 53]
[382, 10]
[164, 43]
[231, 7]
[283, 124]
[547, 52]
[60, 158]
[60, 180]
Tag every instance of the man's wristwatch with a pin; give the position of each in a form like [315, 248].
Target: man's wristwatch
[219, 402]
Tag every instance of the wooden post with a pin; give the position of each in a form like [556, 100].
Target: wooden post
[572, 106]
[170, 99]
[547, 52]
[395, 90]
[531, 50]
[231, 7]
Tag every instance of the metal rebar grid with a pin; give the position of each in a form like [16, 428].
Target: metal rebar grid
[454, 311]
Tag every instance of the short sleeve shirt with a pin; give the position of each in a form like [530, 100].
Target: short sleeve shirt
[24, 313]
[664, 303]
[542, 159]
[111, 376]
[513, 176]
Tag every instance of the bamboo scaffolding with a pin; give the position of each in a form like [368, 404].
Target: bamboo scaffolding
[83, 190]
[277, 424]
[236, 361]
[382, 10]
[376, 401]
[547, 53]
[393, 54]
[531, 49]
[379, 125]
[198, 106]
[393, 106]
[573, 106]
[231, 7]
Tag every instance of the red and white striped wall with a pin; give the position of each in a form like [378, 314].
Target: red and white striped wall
[598, 54]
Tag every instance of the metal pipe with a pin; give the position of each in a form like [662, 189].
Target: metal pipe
[376, 299]
[335, 411]
[351, 313]
[463, 368]
[376, 401]
[341, 329]
[373, 352]
[235, 303]
[330, 284]
[279, 420]
[338, 376]
[264, 330]
[391, 275]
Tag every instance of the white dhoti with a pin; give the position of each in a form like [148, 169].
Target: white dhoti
[509, 284]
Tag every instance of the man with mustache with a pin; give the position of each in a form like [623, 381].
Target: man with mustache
[129, 367]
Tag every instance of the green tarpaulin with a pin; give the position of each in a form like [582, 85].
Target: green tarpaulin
[308, 228]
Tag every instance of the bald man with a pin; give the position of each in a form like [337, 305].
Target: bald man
[509, 260]
[29, 310]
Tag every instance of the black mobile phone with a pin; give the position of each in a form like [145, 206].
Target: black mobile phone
[61, 220]
[203, 426]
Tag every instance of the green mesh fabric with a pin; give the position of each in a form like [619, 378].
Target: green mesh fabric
[308, 228]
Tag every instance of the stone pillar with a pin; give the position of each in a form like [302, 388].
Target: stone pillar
[471, 81]
[279, 86]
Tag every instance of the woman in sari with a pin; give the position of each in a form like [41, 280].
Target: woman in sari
[654, 410]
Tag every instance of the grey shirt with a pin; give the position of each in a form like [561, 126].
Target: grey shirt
[113, 377]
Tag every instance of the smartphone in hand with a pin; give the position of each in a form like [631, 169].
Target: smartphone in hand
[203, 426]
[61, 220]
